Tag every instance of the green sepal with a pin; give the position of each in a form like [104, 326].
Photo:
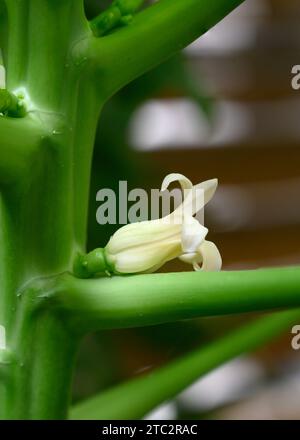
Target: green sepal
[11, 105]
[91, 264]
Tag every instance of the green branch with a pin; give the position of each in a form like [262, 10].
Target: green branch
[152, 36]
[136, 398]
[141, 300]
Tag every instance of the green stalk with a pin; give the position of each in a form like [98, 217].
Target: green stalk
[139, 300]
[20, 150]
[134, 399]
[38, 210]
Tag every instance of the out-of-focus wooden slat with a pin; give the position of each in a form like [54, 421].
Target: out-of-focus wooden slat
[252, 75]
[238, 164]
[259, 248]
[282, 8]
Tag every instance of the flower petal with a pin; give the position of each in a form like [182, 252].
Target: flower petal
[184, 182]
[186, 187]
[146, 258]
[142, 233]
[196, 198]
[192, 234]
[200, 195]
[206, 259]
[210, 256]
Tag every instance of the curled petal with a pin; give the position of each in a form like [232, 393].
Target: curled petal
[207, 255]
[184, 182]
[211, 258]
[195, 196]
[192, 234]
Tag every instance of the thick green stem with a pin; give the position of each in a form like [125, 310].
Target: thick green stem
[38, 212]
[39, 362]
[43, 368]
[21, 143]
[39, 51]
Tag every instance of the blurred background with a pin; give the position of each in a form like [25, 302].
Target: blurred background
[222, 108]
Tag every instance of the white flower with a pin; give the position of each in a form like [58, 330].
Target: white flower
[145, 246]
